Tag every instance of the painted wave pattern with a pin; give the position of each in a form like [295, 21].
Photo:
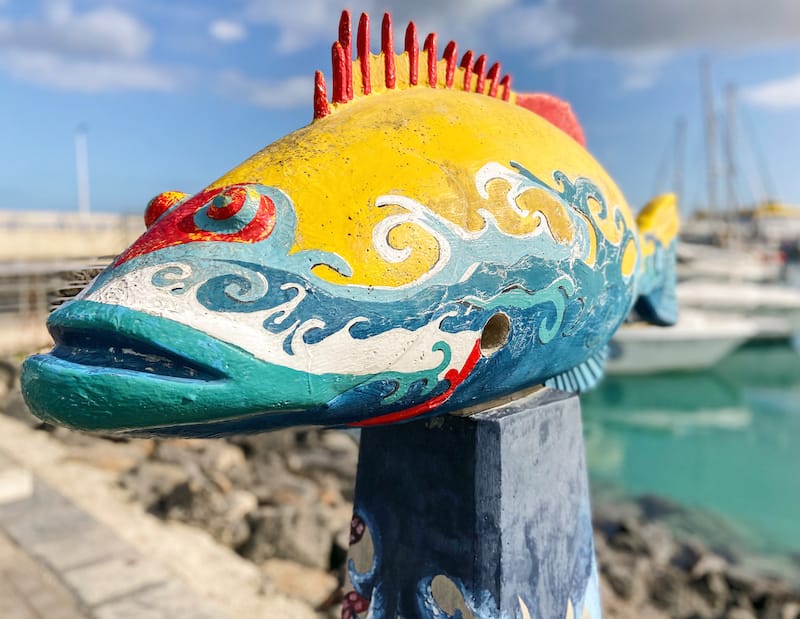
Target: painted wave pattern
[404, 340]
[450, 597]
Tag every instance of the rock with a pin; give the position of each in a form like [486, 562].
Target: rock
[739, 613]
[791, 610]
[657, 507]
[687, 555]
[713, 588]
[311, 585]
[289, 533]
[159, 486]
[620, 579]
[119, 457]
[286, 489]
[708, 563]
[659, 543]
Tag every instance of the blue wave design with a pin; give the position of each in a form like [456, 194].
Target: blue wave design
[560, 309]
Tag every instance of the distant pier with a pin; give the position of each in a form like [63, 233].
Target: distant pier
[47, 257]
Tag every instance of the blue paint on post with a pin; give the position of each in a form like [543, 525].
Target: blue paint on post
[487, 516]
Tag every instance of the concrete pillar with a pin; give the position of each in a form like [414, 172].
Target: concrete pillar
[487, 515]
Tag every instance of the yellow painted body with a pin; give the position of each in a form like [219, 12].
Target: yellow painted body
[428, 145]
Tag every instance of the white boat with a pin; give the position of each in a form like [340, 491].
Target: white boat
[698, 341]
[775, 309]
[697, 261]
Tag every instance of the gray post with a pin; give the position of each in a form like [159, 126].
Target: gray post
[487, 515]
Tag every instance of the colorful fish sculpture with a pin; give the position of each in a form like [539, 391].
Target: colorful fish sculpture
[431, 242]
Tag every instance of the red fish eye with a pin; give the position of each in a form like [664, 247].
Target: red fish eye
[160, 205]
[234, 214]
[226, 204]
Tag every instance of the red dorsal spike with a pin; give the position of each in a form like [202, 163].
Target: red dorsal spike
[505, 84]
[451, 56]
[362, 46]
[321, 109]
[346, 40]
[430, 47]
[412, 49]
[480, 71]
[493, 77]
[387, 47]
[466, 64]
[554, 110]
[339, 73]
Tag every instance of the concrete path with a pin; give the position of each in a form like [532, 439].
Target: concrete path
[58, 562]
[70, 540]
[29, 591]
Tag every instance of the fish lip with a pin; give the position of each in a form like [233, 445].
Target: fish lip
[98, 342]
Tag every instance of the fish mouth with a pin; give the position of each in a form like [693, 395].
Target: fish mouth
[101, 348]
[118, 370]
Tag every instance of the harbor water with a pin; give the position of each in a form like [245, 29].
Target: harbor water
[716, 453]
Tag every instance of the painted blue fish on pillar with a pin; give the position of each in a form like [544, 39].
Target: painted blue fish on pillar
[431, 242]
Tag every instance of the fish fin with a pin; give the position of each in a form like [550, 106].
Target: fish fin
[582, 377]
[554, 110]
[415, 67]
[658, 224]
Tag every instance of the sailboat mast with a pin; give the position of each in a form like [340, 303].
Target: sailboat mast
[730, 148]
[711, 135]
[680, 159]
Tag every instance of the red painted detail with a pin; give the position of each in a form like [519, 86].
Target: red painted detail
[160, 205]
[178, 227]
[346, 41]
[339, 73]
[454, 377]
[505, 83]
[451, 57]
[466, 64]
[412, 49]
[357, 529]
[342, 61]
[226, 204]
[353, 604]
[321, 108]
[430, 47]
[493, 77]
[362, 47]
[387, 47]
[480, 71]
[555, 110]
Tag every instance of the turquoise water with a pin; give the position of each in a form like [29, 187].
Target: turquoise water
[725, 443]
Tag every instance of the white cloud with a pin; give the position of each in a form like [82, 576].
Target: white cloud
[288, 93]
[777, 94]
[92, 76]
[227, 31]
[641, 35]
[303, 23]
[674, 25]
[105, 33]
[100, 50]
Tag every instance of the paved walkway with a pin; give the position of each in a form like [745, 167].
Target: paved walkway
[28, 590]
[58, 562]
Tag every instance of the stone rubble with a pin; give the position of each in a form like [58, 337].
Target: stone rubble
[284, 501]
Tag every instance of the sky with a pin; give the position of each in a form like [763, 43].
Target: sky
[172, 94]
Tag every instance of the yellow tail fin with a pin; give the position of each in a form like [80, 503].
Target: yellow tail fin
[658, 224]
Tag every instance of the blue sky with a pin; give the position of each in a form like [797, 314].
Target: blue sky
[174, 93]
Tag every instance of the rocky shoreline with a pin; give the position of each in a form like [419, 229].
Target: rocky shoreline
[283, 500]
